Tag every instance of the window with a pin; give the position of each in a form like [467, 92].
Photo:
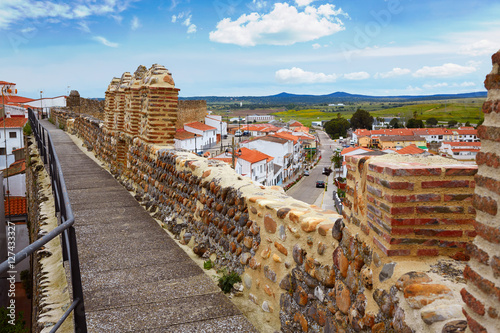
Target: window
[2, 151]
[12, 135]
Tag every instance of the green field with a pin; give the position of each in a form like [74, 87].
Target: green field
[461, 110]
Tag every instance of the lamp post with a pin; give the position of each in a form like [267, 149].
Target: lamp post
[195, 149]
[221, 134]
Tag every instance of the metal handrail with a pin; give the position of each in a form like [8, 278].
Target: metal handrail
[65, 228]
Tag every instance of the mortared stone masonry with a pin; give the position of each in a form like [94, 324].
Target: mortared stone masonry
[394, 262]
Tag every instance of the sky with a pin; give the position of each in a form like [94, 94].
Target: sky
[251, 47]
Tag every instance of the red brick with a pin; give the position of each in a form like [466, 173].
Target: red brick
[483, 284]
[485, 204]
[399, 198]
[414, 171]
[375, 191]
[370, 178]
[492, 81]
[472, 302]
[390, 253]
[487, 107]
[488, 183]
[458, 197]
[376, 168]
[438, 233]
[473, 325]
[495, 266]
[395, 185]
[402, 210]
[480, 255]
[490, 234]
[402, 231]
[461, 171]
[428, 197]
[440, 209]
[489, 133]
[427, 252]
[405, 222]
[445, 184]
[490, 159]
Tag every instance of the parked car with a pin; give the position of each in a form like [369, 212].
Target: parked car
[320, 183]
[306, 173]
[246, 133]
[238, 133]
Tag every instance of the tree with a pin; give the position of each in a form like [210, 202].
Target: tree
[467, 124]
[431, 122]
[337, 127]
[394, 123]
[6, 327]
[361, 119]
[337, 160]
[452, 123]
[415, 123]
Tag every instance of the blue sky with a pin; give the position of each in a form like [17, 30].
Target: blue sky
[251, 47]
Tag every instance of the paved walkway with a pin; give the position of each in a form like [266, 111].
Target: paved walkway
[135, 277]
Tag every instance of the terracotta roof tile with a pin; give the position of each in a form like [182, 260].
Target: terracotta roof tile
[200, 126]
[253, 156]
[15, 168]
[17, 122]
[17, 206]
[411, 149]
[348, 150]
[181, 134]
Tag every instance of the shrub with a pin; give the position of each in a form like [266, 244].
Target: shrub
[27, 129]
[208, 264]
[226, 281]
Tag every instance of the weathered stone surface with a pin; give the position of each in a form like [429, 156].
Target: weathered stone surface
[342, 296]
[367, 277]
[269, 273]
[386, 272]
[281, 213]
[286, 283]
[340, 261]
[310, 224]
[299, 318]
[441, 313]
[281, 248]
[418, 295]
[321, 248]
[282, 232]
[266, 253]
[298, 254]
[337, 229]
[323, 229]
[410, 278]
[269, 224]
[245, 258]
[455, 326]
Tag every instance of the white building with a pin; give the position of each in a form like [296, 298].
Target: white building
[195, 137]
[259, 118]
[279, 148]
[48, 103]
[216, 121]
[462, 151]
[11, 138]
[258, 166]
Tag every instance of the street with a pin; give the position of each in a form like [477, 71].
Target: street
[306, 190]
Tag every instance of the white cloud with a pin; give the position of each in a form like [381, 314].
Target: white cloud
[393, 73]
[445, 70]
[15, 11]
[434, 86]
[104, 41]
[275, 28]
[444, 85]
[135, 23]
[303, 3]
[174, 18]
[191, 28]
[316, 46]
[479, 48]
[298, 75]
[259, 4]
[28, 30]
[467, 84]
[83, 26]
[357, 76]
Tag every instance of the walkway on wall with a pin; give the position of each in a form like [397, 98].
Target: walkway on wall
[135, 278]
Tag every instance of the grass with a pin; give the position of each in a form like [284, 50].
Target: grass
[461, 110]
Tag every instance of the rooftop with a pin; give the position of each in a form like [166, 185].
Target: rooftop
[17, 122]
[15, 206]
[411, 149]
[253, 156]
[200, 126]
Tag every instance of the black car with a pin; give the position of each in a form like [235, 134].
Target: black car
[327, 171]
[320, 183]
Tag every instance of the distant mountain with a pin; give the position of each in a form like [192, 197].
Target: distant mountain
[336, 97]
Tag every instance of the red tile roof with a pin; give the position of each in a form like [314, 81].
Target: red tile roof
[348, 150]
[15, 168]
[411, 149]
[287, 136]
[17, 99]
[16, 122]
[253, 156]
[5, 82]
[295, 124]
[17, 206]
[181, 134]
[200, 126]
[467, 131]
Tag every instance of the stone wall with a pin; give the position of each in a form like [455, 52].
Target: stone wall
[50, 288]
[482, 294]
[190, 111]
[394, 262]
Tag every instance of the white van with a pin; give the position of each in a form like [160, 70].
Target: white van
[238, 133]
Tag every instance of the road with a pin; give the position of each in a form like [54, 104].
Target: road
[306, 190]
